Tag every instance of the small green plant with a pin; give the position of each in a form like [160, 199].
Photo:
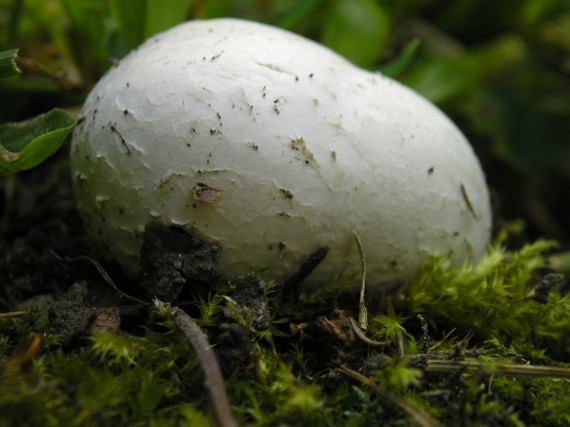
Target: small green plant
[26, 144]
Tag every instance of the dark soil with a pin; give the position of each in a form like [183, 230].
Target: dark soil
[47, 263]
[38, 224]
[41, 238]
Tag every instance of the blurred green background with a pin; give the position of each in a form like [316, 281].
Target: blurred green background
[500, 69]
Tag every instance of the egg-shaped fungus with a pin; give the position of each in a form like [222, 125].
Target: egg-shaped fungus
[274, 146]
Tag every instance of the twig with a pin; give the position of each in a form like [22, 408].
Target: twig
[360, 334]
[32, 67]
[214, 380]
[400, 344]
[290, 285]
[425, 333]
[445, 366]
[103, 274]
[362, 311]
[417, 414]
[14, 314]
[26, 351]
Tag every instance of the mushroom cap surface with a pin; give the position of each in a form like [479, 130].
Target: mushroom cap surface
[274, 146]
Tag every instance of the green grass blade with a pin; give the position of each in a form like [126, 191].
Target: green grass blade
[395, 67]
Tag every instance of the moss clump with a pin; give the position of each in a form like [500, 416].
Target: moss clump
[457, 346]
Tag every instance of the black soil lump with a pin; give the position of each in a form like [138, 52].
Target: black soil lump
[173, 259]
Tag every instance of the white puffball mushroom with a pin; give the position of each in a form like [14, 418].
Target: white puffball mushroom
[274, 146]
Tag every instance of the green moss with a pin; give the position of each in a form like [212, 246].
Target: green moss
[483, 313]
[492, 300]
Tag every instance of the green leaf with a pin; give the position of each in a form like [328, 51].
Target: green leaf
[26, 144]
[93, 33]
[8, 65]
[442, 79]
[140, 19]
[160, 17]
[294, 13]
[130, 17]
[357, 29]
